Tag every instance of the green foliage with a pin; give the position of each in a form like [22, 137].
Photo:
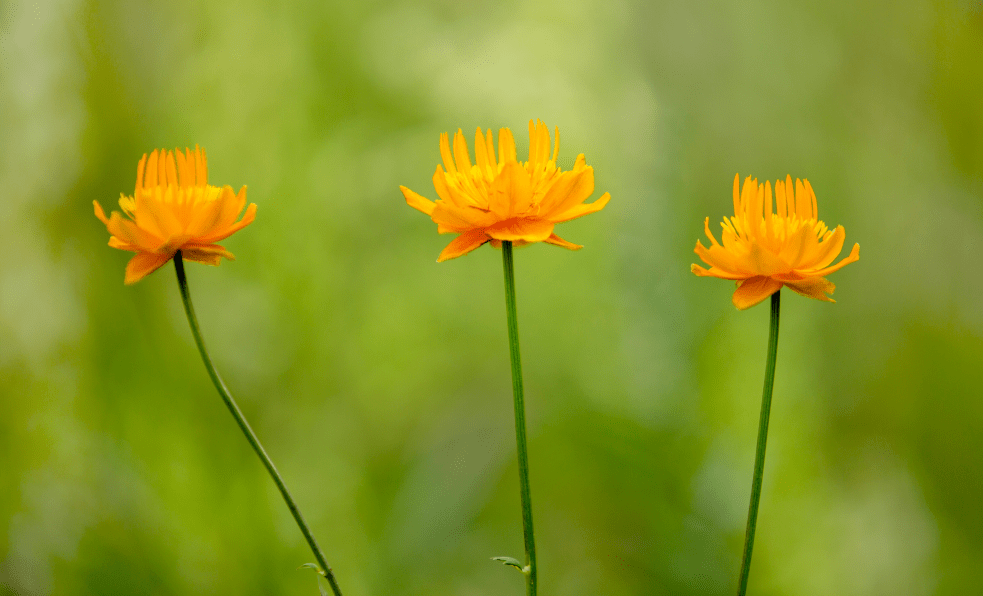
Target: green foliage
[320, 574]
[379, 381]
[510, 561]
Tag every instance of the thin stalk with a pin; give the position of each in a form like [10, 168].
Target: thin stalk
[223, 391]
[520, 420]
[759, 455]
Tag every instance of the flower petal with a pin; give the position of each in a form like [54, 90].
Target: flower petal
[530, 230]
[131, 233]
[417, 201]
[445, 154]
[582, 209]
[204, 258]
[440, 185]
[481, 153]
[827, 250]
[205, 216]
[819, 253]
[115, 242]
[506, 146]
[754, 290]
[706, 227]
[210, 254]
[797, 249]
[100, 213]
[511, 193]
[201, 167]
[721, 259]
[192, 251]
[154, 213]
[462, 218]
[557, 241]
[715, 272]
[247, 219]
[764, 262]
[232, 206]
[853, 256]
[571, 189]
[143, 264]
[447, 229]
[463, 244]
[461, 156]
[813, 287]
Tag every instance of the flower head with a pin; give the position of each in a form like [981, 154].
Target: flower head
[504, 199]
[174, 208]
[764, 251]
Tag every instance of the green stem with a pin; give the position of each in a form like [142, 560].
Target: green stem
[759, 456]
[520, 420]
[246, 429]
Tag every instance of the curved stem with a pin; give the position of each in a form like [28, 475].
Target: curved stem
[759, 456]
[520, 420]
[223, 391]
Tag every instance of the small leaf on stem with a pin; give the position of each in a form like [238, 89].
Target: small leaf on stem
[510, 561]
[320, 572]
[313, 566]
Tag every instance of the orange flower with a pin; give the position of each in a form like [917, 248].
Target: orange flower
[764, 251]
[174, 208]
[505, 199]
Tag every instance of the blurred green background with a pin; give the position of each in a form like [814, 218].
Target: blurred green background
[379, 380]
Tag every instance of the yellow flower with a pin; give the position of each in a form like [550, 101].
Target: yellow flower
[505, 199]
[174, 208]
[764, 251]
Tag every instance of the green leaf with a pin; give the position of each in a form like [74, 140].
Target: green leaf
[319, 572]
[510, 561]
[313, 566]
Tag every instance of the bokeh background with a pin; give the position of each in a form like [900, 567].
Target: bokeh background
[379, 380]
